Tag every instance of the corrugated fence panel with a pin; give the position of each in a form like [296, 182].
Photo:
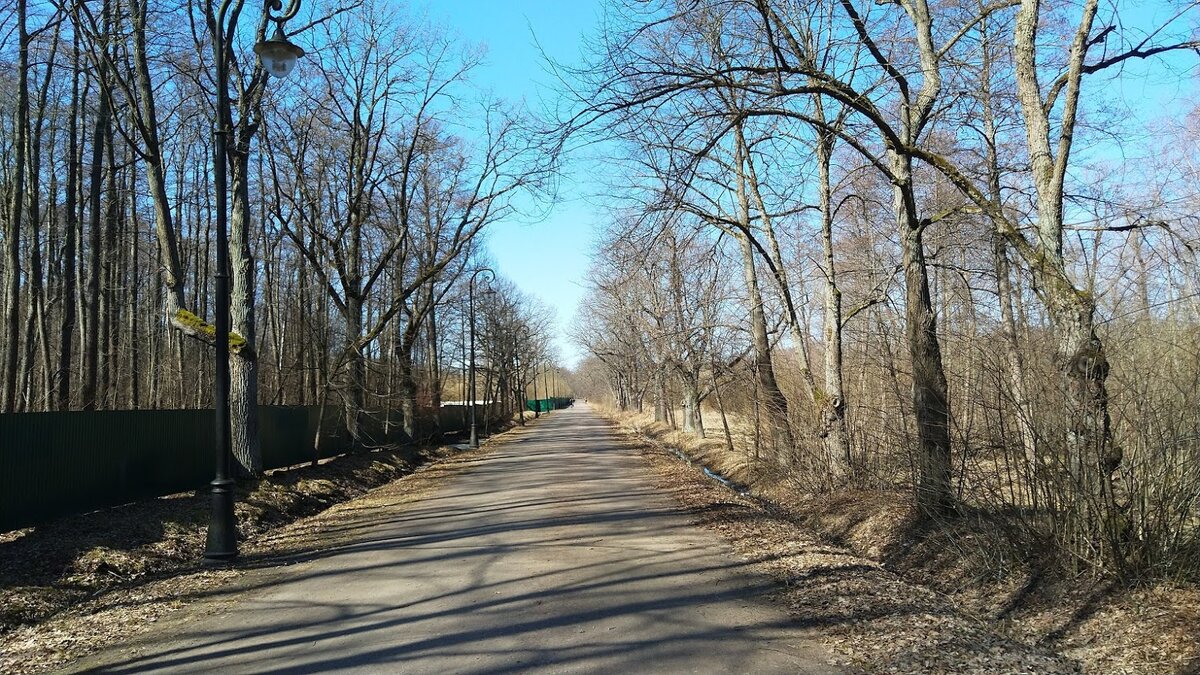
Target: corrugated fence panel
[59, 463]
[452, 419]
[547, 404]
[286, 434]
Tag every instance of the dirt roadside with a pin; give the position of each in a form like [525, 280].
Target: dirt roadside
[872, 618]
[903, 601]
[82, 583]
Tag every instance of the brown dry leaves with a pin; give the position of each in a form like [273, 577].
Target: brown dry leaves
[975, 566]
[1136, 631]
[72, 587]
[876, 621]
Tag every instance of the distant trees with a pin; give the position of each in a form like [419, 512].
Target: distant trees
[899, 178]
[389, 197]
[517, 346]
[356, 204]
[660, 291]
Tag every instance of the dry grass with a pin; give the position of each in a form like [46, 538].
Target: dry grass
[47, 568]
[981, 574]
[872, 618]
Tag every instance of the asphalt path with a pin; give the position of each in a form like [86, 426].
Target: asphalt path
[554, 553]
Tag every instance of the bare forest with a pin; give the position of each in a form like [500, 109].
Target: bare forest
[360, 195]
[913, 248]
[886, 339]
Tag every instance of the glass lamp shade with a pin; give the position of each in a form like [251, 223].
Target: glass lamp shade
[278, 56]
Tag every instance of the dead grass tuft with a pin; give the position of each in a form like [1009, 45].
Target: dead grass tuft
[970, 595]
[872, 618]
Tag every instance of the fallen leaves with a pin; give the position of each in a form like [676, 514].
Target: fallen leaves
[78, 584]
[874, 620]
[1000, 612]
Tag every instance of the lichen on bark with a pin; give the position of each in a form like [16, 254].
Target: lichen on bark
[197, 327]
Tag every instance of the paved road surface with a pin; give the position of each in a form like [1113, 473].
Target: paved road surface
[552, 554]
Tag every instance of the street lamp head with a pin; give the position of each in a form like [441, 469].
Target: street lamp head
[491, 276]
[278, 55]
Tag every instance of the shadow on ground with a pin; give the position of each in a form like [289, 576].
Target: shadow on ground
[553, 553]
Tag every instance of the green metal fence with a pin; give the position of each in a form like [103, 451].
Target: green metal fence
[59, 463]
[547, 404]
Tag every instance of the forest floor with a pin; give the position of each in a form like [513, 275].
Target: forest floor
[953, 598]
[74, 585]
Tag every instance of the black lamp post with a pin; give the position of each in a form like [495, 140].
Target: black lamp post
[537, 404]
[278, 57]
[471, 311]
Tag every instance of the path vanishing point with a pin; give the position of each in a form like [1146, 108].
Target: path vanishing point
[553, 553]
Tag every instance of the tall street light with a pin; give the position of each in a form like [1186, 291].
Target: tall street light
[537, 405]
[471, 311]
[517, 374]
[278, 57]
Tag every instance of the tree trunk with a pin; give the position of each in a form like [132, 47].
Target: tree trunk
[243, 362]
[133, 284]
[721, 409]
[37, 278]
[1092, 457]
[774, 402]
[12, 278]
[833, 404]
[435, 363]
[692, 421]
[62, 372]
[1091, 454]
[170, 270]
[776, 405]
[748, 185]
[110, 264]
[661, 400]
[929, 390]
[355, 392]
[91, 346]
[407, 379]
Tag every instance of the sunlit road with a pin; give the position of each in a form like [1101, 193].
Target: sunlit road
[552, 554]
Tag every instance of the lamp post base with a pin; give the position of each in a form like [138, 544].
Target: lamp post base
[221, 545]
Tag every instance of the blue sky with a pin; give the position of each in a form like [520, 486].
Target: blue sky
[547, 257]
